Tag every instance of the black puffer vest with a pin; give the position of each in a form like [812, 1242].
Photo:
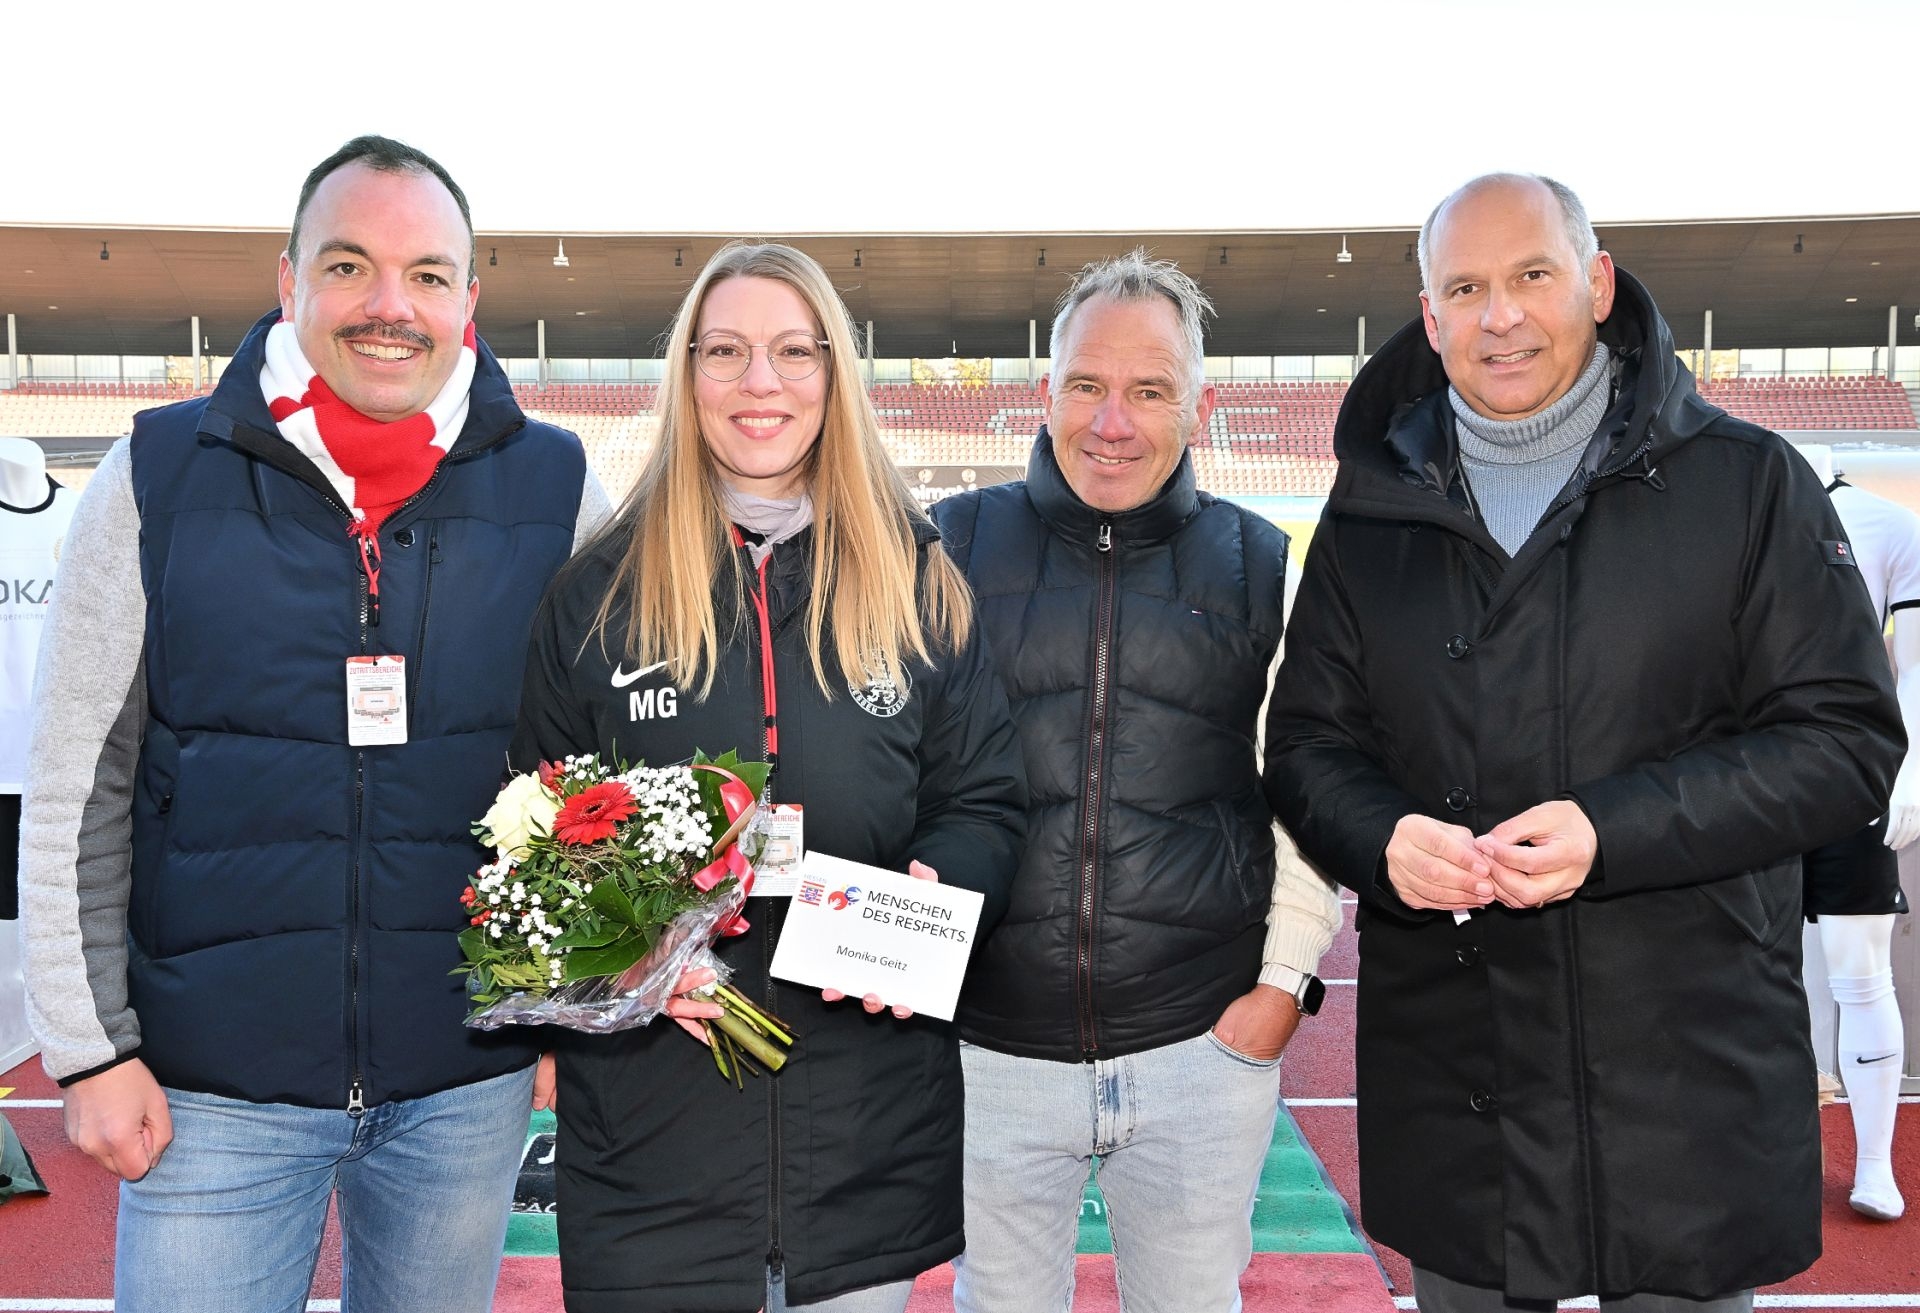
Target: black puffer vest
[1136, 649]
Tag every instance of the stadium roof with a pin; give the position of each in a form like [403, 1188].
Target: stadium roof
[1279, 293]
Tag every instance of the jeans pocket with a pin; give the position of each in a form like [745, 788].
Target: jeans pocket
[1258, 1064]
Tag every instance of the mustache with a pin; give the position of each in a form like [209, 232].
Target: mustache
[386, 333]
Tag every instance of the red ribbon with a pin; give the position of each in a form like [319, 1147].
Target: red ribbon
[738, 802]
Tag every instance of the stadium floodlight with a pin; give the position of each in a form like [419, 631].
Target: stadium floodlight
[1345, 256]
[560, 260]
[103, 251]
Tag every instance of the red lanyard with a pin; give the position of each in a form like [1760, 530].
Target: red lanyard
[759, 594]
[366, 534]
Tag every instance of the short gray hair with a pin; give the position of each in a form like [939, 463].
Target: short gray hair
[1137, 276]
[1580, 232]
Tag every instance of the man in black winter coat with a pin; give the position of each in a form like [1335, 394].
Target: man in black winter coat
[1579, 666]
[1156, 959]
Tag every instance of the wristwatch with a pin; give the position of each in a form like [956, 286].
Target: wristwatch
[1308, 991]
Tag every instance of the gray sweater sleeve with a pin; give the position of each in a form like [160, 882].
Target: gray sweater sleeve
[76, 826]
[594, 510]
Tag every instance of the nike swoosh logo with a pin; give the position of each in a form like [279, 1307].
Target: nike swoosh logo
[621, 679]
[1882, 1058]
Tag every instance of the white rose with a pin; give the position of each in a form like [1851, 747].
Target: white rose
[522, 807]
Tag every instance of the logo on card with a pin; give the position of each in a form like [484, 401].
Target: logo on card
[841, 899]
[881, 696]
[812, 892]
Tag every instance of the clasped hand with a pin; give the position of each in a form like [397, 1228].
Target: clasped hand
[1541, 856]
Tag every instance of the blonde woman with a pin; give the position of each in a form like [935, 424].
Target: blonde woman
[771, 585]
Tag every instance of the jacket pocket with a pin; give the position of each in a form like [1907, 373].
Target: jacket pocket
[1242, 854]
[1761, 903]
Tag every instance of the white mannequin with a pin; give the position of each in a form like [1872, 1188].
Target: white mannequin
[1859, 949]
[23, 488]
[23, 473]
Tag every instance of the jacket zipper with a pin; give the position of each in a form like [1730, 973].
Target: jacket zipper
[356, 1101]
[769, 743]
[1585, 484]
[1090, 821]
[426, 609]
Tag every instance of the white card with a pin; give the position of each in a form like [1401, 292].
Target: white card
[863, 930]
[376, 700]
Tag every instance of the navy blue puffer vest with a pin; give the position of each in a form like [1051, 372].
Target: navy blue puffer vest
[295, 899]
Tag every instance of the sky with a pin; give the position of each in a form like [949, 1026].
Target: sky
[747, 117]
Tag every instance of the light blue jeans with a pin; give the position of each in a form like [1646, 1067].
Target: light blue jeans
[230, 1221]
[1180, 1133]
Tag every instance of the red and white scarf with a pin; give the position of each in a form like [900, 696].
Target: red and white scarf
[373, 466]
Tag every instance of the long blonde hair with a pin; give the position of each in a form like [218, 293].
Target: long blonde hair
[864, 559]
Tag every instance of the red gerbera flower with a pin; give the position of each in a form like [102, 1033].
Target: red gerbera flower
[593, 814]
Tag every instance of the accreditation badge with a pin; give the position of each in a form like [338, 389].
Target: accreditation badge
[782, 832]
[376, 700]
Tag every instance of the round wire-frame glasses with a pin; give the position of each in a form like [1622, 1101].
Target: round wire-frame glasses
[725, 357]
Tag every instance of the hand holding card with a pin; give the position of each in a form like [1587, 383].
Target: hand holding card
[860, 930]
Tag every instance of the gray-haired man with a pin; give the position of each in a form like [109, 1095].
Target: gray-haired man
[1133, 1005]
[1580, 666]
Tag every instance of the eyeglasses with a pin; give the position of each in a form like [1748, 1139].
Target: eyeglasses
[724, 357]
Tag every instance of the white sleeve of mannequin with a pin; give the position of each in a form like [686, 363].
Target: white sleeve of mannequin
[1903, 812]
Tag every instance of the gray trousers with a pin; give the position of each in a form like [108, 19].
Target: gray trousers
[1438, 1294]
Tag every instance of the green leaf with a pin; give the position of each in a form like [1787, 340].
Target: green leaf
[608, 961]
[473, 942]
[753, 774]
[590, 933]
[610, 901]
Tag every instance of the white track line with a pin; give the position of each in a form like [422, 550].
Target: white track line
[106, 1306]
[1759, 1301]
[1321, 1103]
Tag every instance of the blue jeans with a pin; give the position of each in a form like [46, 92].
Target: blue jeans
[231, 1218]
[1180, 1133]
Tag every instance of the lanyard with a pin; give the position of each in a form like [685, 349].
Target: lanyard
[759, 594]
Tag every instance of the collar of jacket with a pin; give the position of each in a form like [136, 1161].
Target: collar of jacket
[790, 569]
[1395, 438]
[1154, 520]
[237, 411]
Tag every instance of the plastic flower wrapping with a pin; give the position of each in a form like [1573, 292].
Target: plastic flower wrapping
[609, 883]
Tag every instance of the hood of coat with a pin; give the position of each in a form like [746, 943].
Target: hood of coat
[1395, 435]
[1154, 520]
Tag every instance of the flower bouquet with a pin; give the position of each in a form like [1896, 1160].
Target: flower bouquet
[608, 885]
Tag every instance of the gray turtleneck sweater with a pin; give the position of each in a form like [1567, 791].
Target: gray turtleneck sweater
[1516, 467]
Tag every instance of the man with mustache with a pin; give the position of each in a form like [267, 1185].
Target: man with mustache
[1579, 666]
[277, 687]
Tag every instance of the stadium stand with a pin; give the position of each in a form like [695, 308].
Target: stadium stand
[1264, 438]
[1796, 404]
